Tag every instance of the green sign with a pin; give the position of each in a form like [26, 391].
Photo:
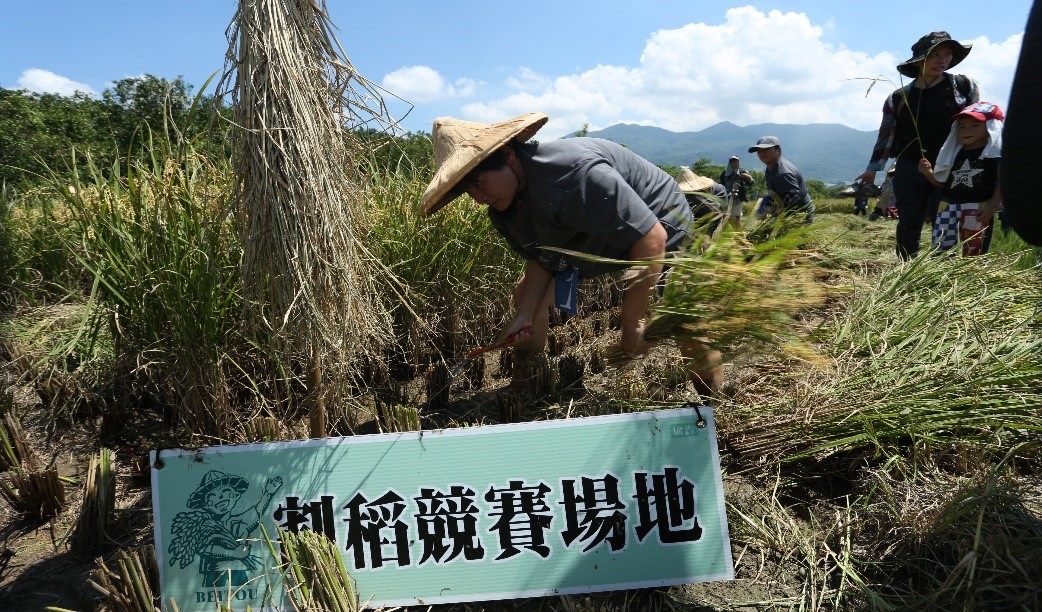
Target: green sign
[545, 508]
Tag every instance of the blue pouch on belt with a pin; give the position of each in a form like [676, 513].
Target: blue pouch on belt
[566, 284]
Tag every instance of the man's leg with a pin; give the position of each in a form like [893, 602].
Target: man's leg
[705, 366]
[915, 197]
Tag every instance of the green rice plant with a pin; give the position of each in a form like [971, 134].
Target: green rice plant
[437, 258]
[7, 246]
[735, 294]
[731, 295]
[97, 513]
[158, 240]
[35, 268]
[937, 352]
[131, 583]
[316, 577]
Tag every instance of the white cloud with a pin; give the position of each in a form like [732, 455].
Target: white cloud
[527, 79]
[422, 84]
[755, 67]
[45, 81]
[992, 65]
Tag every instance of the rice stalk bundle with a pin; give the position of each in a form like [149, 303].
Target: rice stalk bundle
[38, 495]
[397, 417]
[731, 295]
[99, 505]
[307, 272]
[316, 576]
[938, 351]
[14, 445]
[130, 584]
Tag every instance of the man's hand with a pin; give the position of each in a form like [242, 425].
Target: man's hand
[868, 176]
[519, 330]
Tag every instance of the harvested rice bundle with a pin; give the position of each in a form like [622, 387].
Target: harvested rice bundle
[730, 295]
[307, 270]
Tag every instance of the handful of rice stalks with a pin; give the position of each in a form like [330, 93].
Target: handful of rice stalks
[731, 294]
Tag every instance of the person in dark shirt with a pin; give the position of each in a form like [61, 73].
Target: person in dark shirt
[1021, 135]
[735, 180]
[967, 173]
[582, 194]
[916, 121]
[783, 179]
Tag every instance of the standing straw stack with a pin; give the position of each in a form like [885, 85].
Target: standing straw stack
[307, 273]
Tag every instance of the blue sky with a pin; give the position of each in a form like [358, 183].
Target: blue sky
[680, 65]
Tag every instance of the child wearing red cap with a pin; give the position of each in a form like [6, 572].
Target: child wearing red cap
[967, 171]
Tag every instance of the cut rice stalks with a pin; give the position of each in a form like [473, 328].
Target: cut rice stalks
[731, 294]
[91, 532]
[315, 574]
[131, 583]
[937, 351]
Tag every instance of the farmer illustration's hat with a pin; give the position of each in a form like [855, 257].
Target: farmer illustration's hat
[690, 182]
[212, 480]
[459, 146]
[922, 47]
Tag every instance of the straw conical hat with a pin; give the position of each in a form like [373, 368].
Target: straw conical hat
[459, 146]
[690, 182]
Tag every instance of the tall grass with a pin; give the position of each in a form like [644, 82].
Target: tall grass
[158, 241]
[938, 352]
[35, 268]
[453, 271]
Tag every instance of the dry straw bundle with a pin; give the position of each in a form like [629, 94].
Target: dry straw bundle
[306, 268]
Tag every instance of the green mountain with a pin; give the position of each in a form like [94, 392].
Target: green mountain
[828, 152]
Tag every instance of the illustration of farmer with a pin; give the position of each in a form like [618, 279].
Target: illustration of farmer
[212, 532]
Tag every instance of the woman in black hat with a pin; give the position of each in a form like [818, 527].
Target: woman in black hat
[916, 121]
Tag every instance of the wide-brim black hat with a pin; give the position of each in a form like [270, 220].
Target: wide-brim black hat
[922, 47]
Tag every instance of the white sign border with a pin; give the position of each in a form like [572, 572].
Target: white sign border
[726, 574]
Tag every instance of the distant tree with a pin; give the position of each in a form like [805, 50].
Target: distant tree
[705, 167]
[817, 189]
[38, 131]
[412, 152]
[136, 102]
[583, 131]
[671, 170]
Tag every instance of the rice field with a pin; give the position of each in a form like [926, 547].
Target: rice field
[879, 420]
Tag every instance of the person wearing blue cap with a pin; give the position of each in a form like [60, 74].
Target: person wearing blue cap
[784, 182]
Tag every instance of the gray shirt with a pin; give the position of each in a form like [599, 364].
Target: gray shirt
[785, 180]
[593, 196]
